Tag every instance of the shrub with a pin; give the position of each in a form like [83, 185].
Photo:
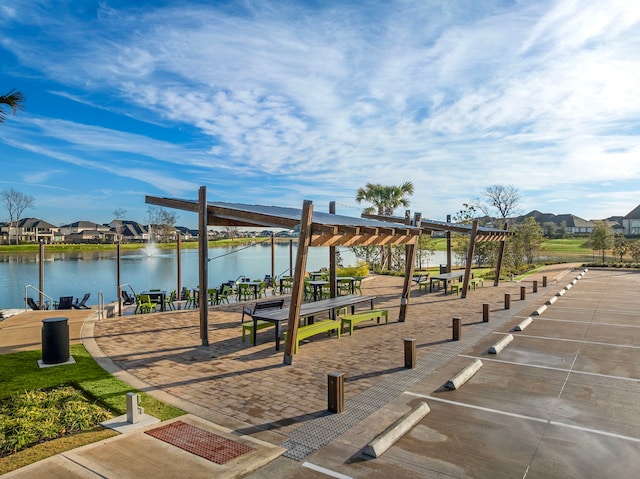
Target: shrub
[45, 414]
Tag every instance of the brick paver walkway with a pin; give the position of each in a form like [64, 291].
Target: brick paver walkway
[250, 384]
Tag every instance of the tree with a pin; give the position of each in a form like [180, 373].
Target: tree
[529, 235]
[15, 202]
[620, 245]
[503, 198]
[384, 200]
[602, 237]
[634, 250]
[118, 215]
[14, 100]
[163, 221]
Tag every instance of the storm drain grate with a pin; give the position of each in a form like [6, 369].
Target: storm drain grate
[197, 441]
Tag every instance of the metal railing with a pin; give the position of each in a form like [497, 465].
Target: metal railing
[26, 294]
[100, 305]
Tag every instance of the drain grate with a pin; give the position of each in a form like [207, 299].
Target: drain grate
[197, 441]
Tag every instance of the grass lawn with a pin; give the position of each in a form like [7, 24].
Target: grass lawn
[19, 372]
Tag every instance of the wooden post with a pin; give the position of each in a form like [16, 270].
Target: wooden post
[535, 286]
[410, 259]
[41, 276]
[448, 247]
[500, 257]
[544, 281]
[179, 266]
[470, 253]
[335, 388]
[118, 278]
[523, 292]
[410, 353]
[297, 292]
[203, 257]
[273, 263]
[485, 312]
[333, 284]
[507, 301]
[457, 328]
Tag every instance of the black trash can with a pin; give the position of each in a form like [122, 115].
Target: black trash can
[55, 340]
[443, 268]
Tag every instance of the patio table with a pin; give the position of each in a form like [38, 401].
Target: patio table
[308, 310]
[445, 278]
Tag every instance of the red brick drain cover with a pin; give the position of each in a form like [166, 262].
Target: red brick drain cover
[197, 441]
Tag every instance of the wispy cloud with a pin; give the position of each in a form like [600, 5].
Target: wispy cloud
[318, 100]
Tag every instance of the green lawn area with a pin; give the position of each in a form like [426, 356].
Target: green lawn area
[19, 373]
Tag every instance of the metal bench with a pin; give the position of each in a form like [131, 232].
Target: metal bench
[315, 328]
[353, 319]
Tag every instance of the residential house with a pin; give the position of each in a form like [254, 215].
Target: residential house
[30, 230]
[87, 232]
[631, 222]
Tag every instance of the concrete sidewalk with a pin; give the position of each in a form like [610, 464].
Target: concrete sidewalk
[499, 424]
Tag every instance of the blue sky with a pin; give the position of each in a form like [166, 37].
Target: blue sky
[277, 102]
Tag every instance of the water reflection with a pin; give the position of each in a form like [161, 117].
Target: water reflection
[78, 272]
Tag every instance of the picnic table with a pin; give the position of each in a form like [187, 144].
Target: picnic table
[445, 278]
[308, 310]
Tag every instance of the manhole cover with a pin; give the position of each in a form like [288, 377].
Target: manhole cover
[197, 441]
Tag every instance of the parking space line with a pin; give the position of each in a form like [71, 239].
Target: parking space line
[564, 370]
[326, 471]
[525, 417]
[585, 322]
[598, 343]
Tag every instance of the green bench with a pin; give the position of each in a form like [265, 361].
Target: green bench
[477, 281]
[456, 287]
[318, 327]
[248, 327]
[353, 319]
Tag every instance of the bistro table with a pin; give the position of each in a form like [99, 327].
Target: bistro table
[317, 288]
[308, 310]
[445, 278]
[157, 297]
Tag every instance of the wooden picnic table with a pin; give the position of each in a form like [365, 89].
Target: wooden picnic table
[308, 310]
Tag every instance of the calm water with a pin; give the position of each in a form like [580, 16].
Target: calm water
[73, 274]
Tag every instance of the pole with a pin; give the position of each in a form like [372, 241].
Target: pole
[179, 267]
[119, 289]
[41, 278]
[203, 255]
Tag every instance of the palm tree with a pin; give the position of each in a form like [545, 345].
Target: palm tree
[384, 200]
[14, 100]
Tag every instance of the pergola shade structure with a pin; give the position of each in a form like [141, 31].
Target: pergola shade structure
[316, 229]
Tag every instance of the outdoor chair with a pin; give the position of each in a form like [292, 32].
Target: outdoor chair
[146, 305]
[126, 299]
[66, 302]
[244, 292]
[169, 300]
[81, 303]
[212, 294]
[262, 289]
[344, 287]
[32, 304]
[357, 285]
[190, 301]
[227, 291]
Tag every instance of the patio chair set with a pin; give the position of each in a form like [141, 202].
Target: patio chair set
[65, 302]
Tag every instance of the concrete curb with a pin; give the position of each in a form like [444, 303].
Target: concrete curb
[523, 324]
[464, 375]
[394, 432]
[500, 345]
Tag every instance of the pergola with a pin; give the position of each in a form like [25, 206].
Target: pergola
[316, 229]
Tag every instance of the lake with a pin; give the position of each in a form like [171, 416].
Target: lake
[77, 273]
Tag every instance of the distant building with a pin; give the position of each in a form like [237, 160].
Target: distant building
[87, 232]
[631, 222]
[30, 230]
